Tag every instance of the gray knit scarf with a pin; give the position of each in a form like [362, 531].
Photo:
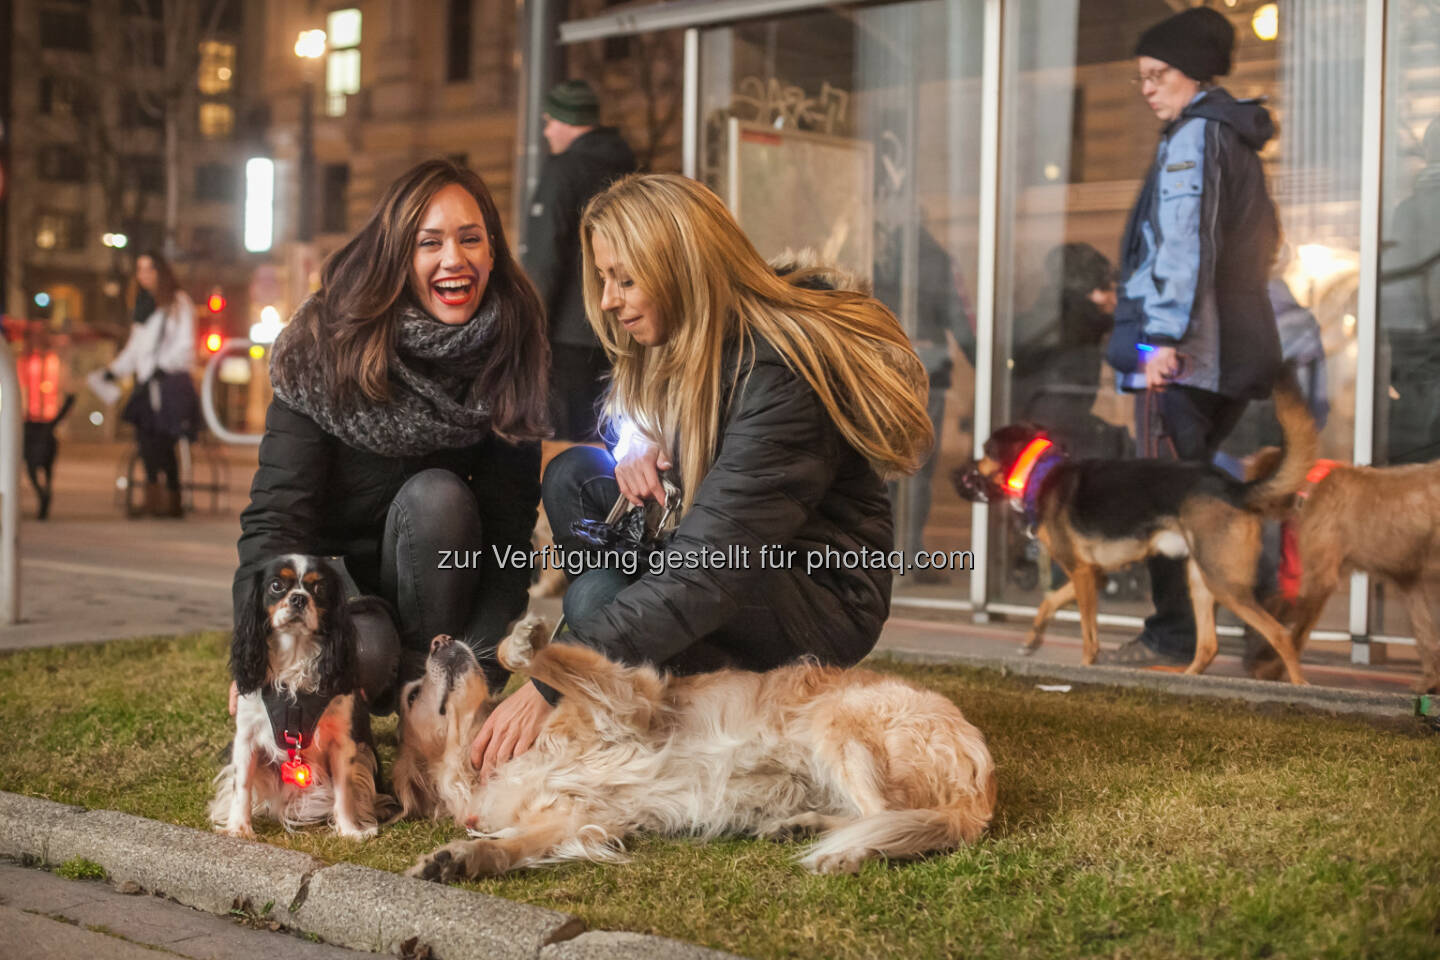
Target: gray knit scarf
[434, 404]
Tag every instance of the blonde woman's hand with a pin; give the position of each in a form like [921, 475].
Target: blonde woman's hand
[510, 729]
[638, 474]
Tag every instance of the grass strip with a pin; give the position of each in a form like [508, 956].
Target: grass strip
[1130, 823]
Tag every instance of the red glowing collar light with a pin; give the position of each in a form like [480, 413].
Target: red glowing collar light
[295, 770]
[1025, 463]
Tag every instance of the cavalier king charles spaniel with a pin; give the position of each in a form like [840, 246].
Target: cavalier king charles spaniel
[876, 766]
[303, 752]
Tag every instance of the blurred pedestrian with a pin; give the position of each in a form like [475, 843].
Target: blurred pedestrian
[163, 407]
[1410, 315]
[1059, 351]
[1194, 328]
[584, 159]
[403, 436]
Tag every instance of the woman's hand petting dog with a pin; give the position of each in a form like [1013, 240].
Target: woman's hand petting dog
[638, 474]
[510, 730]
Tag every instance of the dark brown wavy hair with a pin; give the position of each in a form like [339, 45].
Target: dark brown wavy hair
[365, 284]
[165, 285]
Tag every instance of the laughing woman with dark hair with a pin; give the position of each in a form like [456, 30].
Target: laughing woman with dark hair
[409, 401]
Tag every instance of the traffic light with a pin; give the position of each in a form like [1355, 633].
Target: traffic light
[214, 341]
[216, 301]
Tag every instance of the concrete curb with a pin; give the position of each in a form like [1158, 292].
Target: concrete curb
[344, 904]
[1374, 703]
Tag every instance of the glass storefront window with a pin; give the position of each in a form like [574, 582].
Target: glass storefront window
[1407, 349]
[1077, 141]
[853, 132]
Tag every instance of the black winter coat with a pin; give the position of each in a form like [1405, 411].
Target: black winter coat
[783, 476]
[552, 233]
[314, 494]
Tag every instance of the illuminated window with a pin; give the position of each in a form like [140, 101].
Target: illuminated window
[342, 64]
[217, 67]
[58, 230]
[217, 121]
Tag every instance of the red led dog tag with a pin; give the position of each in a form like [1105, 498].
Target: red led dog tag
[295, 770]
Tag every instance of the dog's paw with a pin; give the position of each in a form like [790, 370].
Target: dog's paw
[529, 636]
[461, 860]
[240, 831]
[847, 861]
[357, 832]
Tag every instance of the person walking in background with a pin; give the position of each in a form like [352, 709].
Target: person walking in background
[584, 159]
[1410, 316]
[1195, 263]
[1059, 349]
[163, 407]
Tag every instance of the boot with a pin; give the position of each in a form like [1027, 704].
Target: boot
[171, 505]
[154, 500]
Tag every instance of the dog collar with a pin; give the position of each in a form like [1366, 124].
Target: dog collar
[1027, 476]
[1314, 475]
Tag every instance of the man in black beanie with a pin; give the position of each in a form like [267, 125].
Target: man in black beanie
[584, 159]
[1194, 330]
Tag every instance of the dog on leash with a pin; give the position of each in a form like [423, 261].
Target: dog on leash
[40, 450]
[877, 766]
[1093, 516]
[1384, 521]
[302, 752]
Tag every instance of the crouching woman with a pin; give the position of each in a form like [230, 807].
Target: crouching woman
[781, 405]
[409, 399]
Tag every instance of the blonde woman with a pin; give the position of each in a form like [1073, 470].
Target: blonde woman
[782, 406]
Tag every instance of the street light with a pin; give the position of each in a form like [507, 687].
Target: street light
[309, 47]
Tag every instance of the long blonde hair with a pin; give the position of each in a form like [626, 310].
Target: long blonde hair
[680, 245]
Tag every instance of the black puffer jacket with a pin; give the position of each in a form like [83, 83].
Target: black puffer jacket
[552, 232]
[783, 476]
[314, 494]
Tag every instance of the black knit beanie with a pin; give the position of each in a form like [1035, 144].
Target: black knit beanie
[1197, 42]
[573, 102]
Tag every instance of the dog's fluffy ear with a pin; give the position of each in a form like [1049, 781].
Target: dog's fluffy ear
[249, 649]
[337, 628]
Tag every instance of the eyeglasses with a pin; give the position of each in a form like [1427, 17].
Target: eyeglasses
[1154, 78]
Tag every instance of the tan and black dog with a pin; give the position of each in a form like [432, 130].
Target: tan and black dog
[1094, 516]
[1384, 521]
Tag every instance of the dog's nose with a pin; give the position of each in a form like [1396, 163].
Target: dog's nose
[298, 600]
[440, 642]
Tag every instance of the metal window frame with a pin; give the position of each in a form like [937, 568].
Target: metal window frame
[1372, 106]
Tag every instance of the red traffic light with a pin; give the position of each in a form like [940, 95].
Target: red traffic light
[216, 302]
[213, 342]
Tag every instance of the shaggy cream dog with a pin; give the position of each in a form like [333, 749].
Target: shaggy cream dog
[880, 768]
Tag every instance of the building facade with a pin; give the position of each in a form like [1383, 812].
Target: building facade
[125, 120]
